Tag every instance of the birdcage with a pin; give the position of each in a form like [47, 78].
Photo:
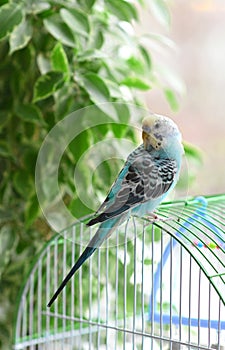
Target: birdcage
[154, 285]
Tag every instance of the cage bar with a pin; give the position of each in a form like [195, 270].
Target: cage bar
[153, 285]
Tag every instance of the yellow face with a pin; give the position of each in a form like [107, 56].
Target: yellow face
[159, 132]
[150, 136]
[149, 139]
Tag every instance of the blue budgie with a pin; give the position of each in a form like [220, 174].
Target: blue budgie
[151, 171]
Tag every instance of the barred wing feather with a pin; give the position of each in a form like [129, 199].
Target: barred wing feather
[143, 178]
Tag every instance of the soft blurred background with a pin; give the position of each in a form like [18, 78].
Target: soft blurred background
[197, 29]
[52, 63]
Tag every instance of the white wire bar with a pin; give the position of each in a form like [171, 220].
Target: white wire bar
[151, 286]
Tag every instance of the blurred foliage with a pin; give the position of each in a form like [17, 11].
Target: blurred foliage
[58, 56]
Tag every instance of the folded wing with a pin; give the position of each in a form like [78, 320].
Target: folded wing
[142, 179]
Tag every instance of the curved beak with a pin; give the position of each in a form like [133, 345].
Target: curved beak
[149, 140]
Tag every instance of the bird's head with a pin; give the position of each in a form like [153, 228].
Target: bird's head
[158, 131]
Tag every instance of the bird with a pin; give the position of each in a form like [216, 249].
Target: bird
[150, 172]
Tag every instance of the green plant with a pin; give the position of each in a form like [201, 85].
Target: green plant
[57, 57]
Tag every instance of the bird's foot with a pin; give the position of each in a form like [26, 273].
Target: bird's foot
[152, 216]
[156, 218]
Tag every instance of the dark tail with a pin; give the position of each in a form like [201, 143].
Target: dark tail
[105, 230]
[84, 256]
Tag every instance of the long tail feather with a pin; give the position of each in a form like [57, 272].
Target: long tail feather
[84, 256]
[104, 231]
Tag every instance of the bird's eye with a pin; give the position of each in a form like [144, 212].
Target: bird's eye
[157, 125]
